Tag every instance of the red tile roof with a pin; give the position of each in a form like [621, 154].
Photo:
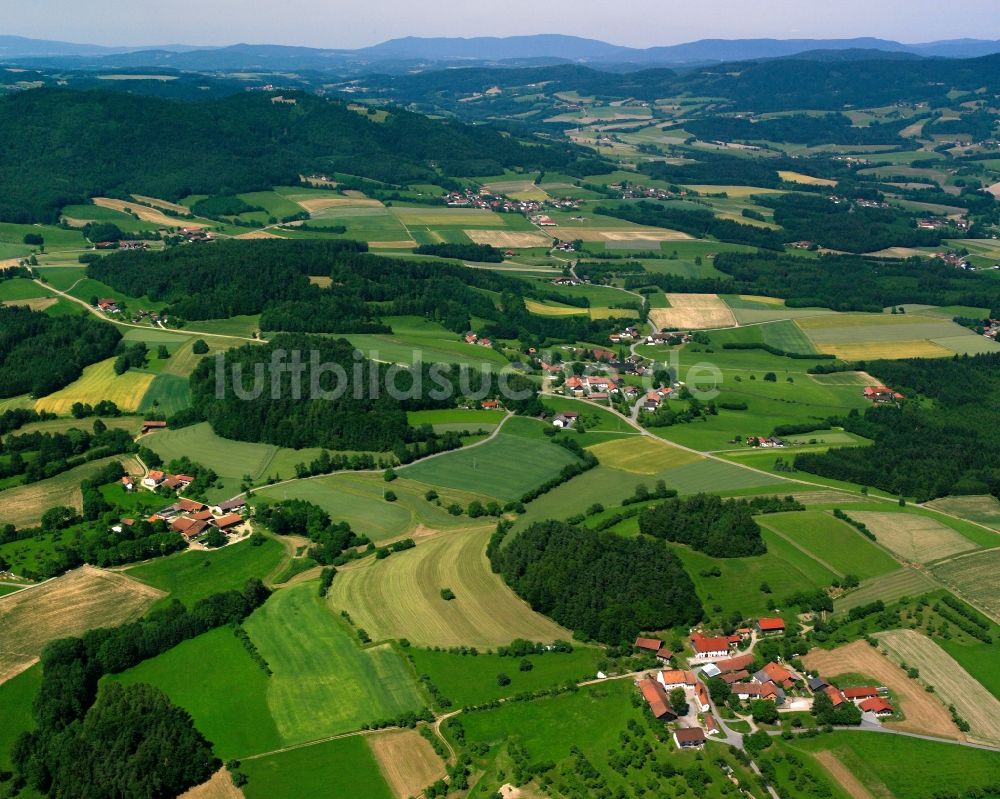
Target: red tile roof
[737, 663]
[860, 693]
[190, 505]
[655, 697]
[664, 653]
[229, 520]
[771, 625]
[690, 735]
[875, 705]
[835, 696]
[778, 673]
[677, 677]
[649, 644]
[702, 644]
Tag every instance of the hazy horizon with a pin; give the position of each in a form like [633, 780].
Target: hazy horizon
[646, 23]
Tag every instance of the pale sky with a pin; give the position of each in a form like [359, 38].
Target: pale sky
[357, 23]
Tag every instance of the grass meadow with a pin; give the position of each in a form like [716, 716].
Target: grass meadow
[16, 697]
[99, 382]
[324, 683]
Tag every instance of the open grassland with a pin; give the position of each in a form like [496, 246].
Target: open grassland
[407, 761]
[979, 509]
[16, 697]
[194, 574]
[893, 765]
[79, 215]
[456, 419]
[641, 455]
[505, 239]
[99, 382]
[844, 777]
[854, 336]
[924, 711]
[69, 605]
[549, 308]
[24, 505]
[57, 239]
[359, 500]
[901, 583]
[167, 394]
[399, 597]
[914, 538]
[340, 769]
[323, 682]
[834, 543]
[414, 338]
[952, 684]
[147, 214]
[505, 467]
[809, 180]
[974, 576]
[213, 678]
[130, 423]
[471, 679]
[693, 312]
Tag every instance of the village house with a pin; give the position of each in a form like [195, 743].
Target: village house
[817, 684]
[108, 305]
[228, 521]
[153, 479]
[229, 506]
[771, 442]
[689, 737]
[491, 405]
[881, 394]
[564, 420]
[775, 673]
[876, 705]
[190, 529]
[664, 655]
[651, 645]
[758, 690]
[836, 697]
[127, 483]
[149, 425]
[676, 678]
[853, 694]
[709, 647]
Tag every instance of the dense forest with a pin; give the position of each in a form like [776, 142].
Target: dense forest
[40, 354]
[38, 455]
[846, 226]
[62, 146]
[925, 449]
[126, 740]
[718, 170]
[720, 528]
[600, 585]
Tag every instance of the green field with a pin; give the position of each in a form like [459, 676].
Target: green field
[213, 678]
[323, 682]
[835, 544]
[99, 382]
[505, 467]
[16, 697]
[56, 238]
[190, 576]
[167, 394]
[471, 679]
[358, 499]
[901, 583]
[339, 769]
[415, 339]
[907, 767]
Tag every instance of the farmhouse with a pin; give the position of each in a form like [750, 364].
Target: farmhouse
[817, 684]
[176, 482]
[676, 678]
[229, 505]
[189, 528]
[663, 654]
[881, 394]
[153, 479]
[127, 483]
[731, 677]
[566, 419]
[491, 405]
[771, 626]
[867, 692]
[228, 521]
[835, 695]
[656, 698]
[758, 690]
[770, 442]
[150, 425]
[876, 705]
[108, 305]
[689, 737]
[733, 664]
[709, 647]
[775, 673]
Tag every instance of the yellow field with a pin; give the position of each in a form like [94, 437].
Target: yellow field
[502, 239]
[873, 350]
[323, 281]
[761, 298]
[403, 244]
[448, 216]
[257, 234]
[641, 455]
[67, 606]
[553, 310]
[618, 313]
[693, 312]
[99, 382]
[733, 191]
[618, 234]
[953, 685]
[164, 204]
[219, 787]
[917, 539]
[530, 194]
[407, 761]
[146, 214]
[314, 204]
[399, 597]
[809, 180]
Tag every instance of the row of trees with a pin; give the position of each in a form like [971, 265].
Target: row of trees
[299, 517]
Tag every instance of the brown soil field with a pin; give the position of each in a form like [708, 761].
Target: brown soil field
[502, 239]
[403, 244]
[323, 281]
[257, 234]
[693, 312]
[219, 787]
[952, 684]
[974, 576]
[843, 776]
[322, 203]
[66, 606]
[652, 234]
[34, 303]
[917, 539]
[924, 712]
[407, 761]
[146, 214]
[165, 204]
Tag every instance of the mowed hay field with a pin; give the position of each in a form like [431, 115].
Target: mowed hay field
[407, 761]
[952, 684]
[24, 505]
[147, 214]
[915, 538]
[888, 588]
[99, 382]
[400, 596]
[66, 606]
[857, 336]
[219, 787]
[979, 509]
[641, 455]
[693, 312]
[324, 683]
[504, 239]
[924, 712]
[974, 576]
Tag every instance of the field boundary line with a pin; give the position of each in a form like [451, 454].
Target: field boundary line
[801, 549]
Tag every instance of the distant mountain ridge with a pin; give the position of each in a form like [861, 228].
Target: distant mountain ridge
[415, 52]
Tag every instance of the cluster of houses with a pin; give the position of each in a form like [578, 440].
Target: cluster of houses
[869, 698]
[195, 234]
[941, 223]
[120, 245]
[653, 398]
[193, 519]
[544, 220]
[955, 260]
[628, 334]
[771, 442]
[629, 191]
[108, 305]
[672, 338]
[473, 338]
[882, 395]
